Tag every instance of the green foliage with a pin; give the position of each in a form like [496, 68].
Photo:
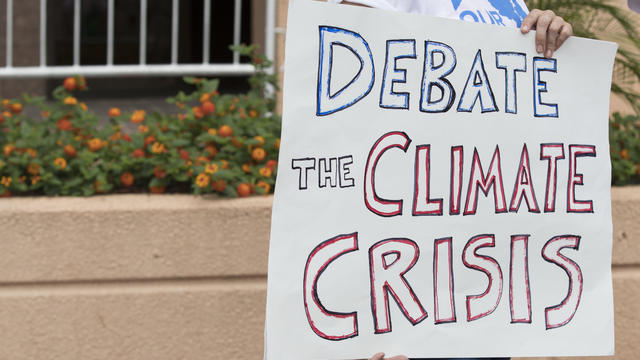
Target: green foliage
[605, 20]
[222, 143]
[624, 137]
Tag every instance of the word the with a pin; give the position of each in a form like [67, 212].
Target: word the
[331, 172]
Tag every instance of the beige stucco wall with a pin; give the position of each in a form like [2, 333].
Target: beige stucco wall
[177, 276]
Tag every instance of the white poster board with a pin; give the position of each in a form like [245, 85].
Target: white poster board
[442, 191]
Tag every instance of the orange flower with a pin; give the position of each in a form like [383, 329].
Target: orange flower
[138, 116]
[15, 108]
[83, 106]
[265, 171]
[138, 153]
[253, 113]
[115, 136]
[114, 112]
[159, 172]
[246, 168]
[243, 190]
[148, 140]
[35, 179]
[182, 116]
[70, 150]
[126, 179]
[202, 180]
[33, 168]
[212, 131]
[70, 100]
[184, 155]
[64, 124]
[159, 189]
[201, 159]
[211, 150]
[95, 144]
[271, 164]
[180, 104]
[208, 107]
[211, 168]
[45, 114]
[6, 181]
[205, 97]
[197, 112]
[8, 149]
[277, 144]
[236, 142]
[624, 153]
[69, 84]
[31, 152]
[218, 185]
[225, 164]
[143, 128]
[158, 148]
[266, 187]
[258, 154]
[126, 137]
[60, 162]
[260, 140]
[225, 131]
[6, 114]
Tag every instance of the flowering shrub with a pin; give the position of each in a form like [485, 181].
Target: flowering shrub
[624, 136]
[215, 143]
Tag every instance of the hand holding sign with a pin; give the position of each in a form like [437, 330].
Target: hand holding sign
[380, 356]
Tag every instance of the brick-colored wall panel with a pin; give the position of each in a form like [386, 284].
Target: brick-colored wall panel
[626, 226]
[202, 321]
[132, 236]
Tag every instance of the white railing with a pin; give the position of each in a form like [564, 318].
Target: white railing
[142, 68]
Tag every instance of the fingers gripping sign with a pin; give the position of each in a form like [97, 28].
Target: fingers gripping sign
[380, 356]
[551, 30]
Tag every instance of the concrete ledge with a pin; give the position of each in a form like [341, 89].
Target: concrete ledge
[181, 322]
[132, 237]
[178, 276]
[625, 209]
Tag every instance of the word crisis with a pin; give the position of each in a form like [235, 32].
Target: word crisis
[481, 178]
[437, 93]
[391, 259]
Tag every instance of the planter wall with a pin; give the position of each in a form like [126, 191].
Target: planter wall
[177, 276]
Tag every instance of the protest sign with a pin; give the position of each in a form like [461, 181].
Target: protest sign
[443, 190]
